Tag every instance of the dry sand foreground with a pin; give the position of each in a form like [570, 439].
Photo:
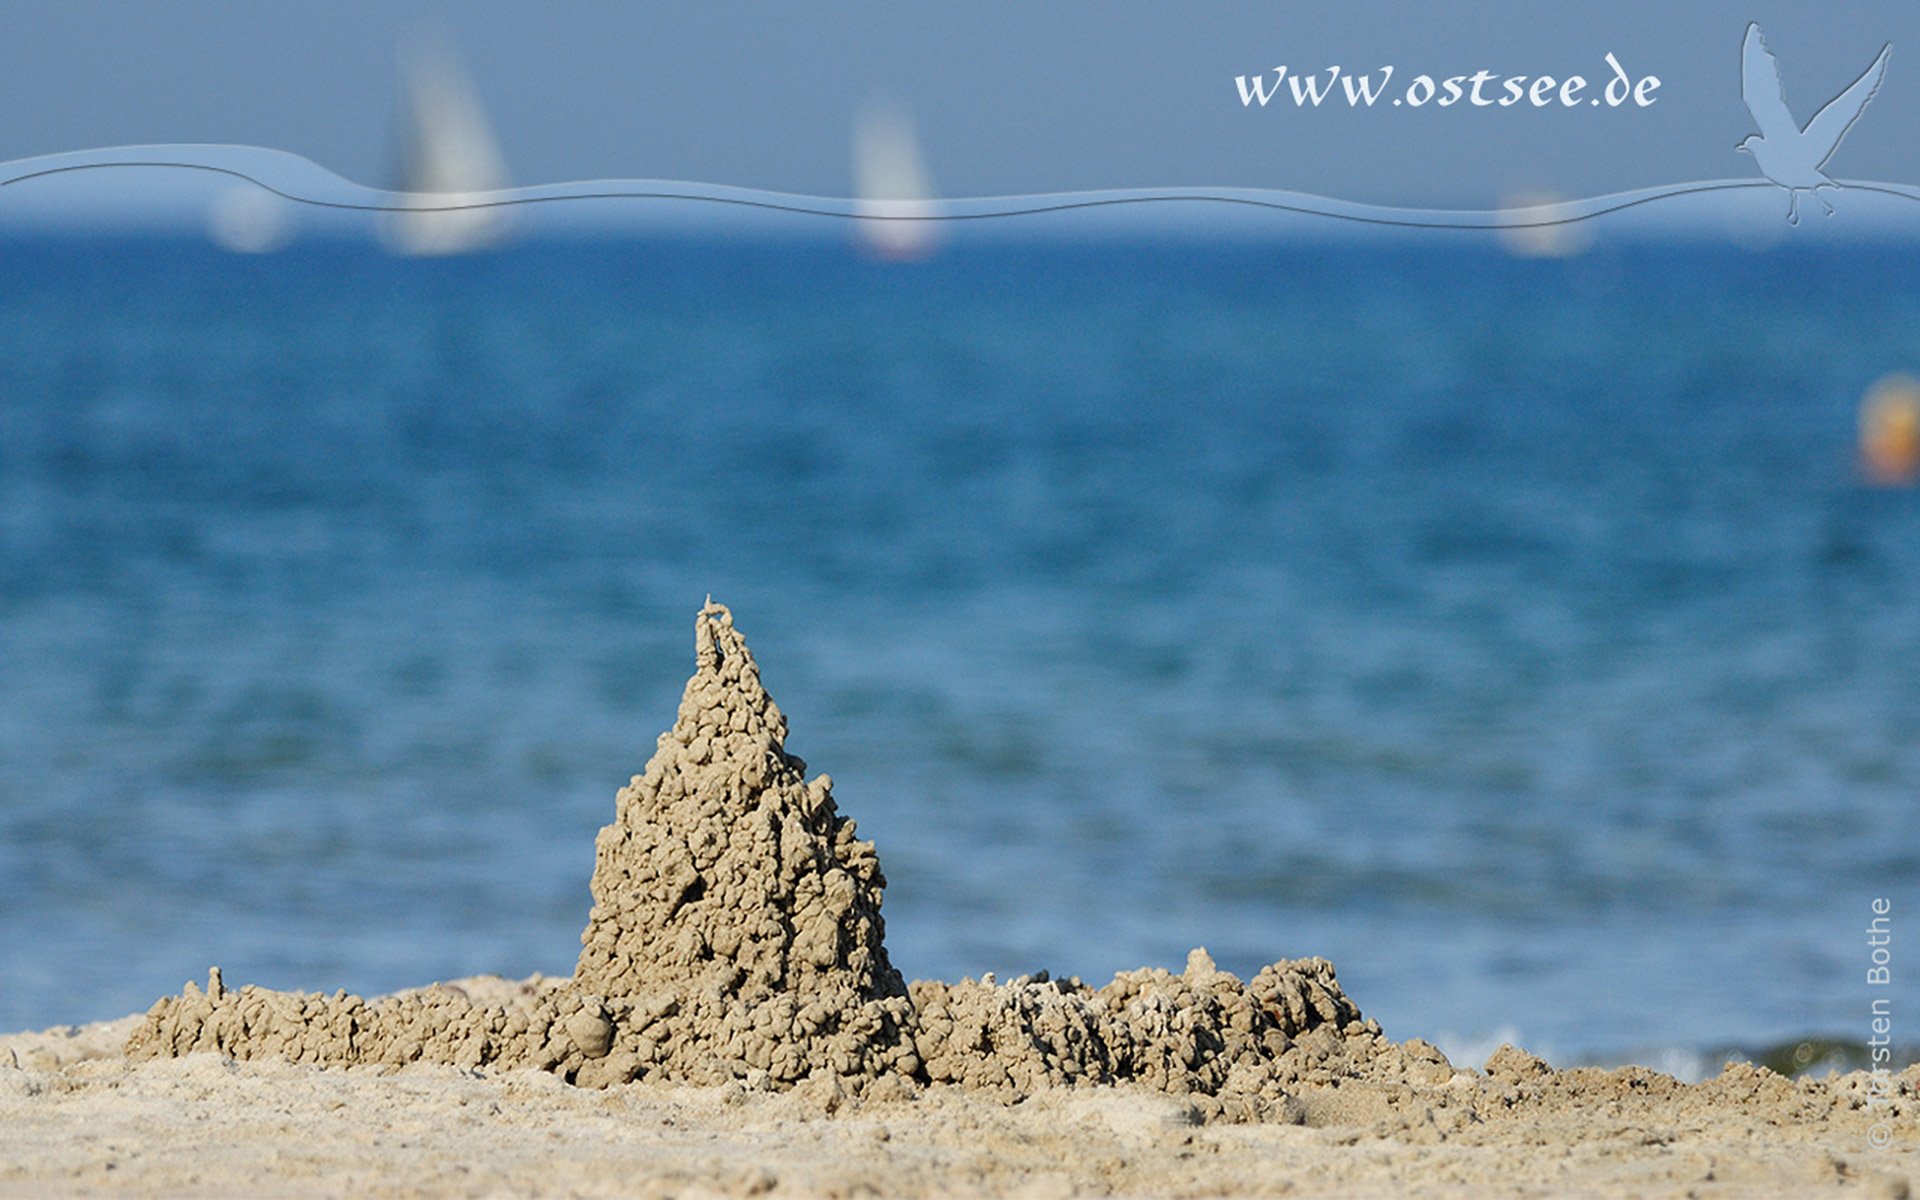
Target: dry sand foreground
[78, 1119]
[734, 1026]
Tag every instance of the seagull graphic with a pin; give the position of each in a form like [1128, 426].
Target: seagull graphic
[1787, 154]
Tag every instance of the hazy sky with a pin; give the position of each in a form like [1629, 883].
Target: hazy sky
[1032, 96]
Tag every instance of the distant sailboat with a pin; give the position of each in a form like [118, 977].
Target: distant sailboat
[448, 159]
[893, 199]
[247, 219]
[1533, 226]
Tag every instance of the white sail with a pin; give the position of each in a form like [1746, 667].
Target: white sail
[893, 199]
[247, 219]
[449, 162]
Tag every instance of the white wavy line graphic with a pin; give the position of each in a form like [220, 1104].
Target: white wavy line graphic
[303, 181]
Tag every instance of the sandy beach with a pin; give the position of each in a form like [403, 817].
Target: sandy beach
[81, 1120]
[735, 1027]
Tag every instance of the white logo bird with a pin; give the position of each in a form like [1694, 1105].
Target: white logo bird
[1787, 154]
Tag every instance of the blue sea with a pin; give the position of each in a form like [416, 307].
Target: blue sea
[1518, 635]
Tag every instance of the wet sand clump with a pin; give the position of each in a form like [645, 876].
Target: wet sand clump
[736, 934]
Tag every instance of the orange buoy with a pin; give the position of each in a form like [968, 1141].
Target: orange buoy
[1890, 432]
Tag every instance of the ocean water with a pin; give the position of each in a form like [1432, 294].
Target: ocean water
[1517, 635]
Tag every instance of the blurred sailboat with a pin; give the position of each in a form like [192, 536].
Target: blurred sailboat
[249, 220]
[1533, 225]
[893, 200]
[449, 161]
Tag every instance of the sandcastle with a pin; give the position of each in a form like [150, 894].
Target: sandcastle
[736, 935]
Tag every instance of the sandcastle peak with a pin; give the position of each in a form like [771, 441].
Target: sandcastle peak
[725, 868]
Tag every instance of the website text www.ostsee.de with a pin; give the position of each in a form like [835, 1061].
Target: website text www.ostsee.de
[1482, 89]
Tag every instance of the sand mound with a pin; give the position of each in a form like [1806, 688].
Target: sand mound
[736, 935]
